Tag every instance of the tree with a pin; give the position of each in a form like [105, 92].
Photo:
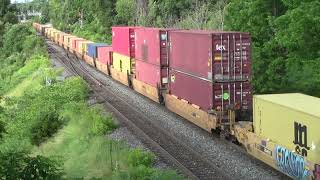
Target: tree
[4, 4]
[286, 40]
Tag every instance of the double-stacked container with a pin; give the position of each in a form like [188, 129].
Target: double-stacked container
[74, 42]
[123, 45]
[67, 41]
[62, 36]
[94, 51]
[83, 46]
[82, 50]
[151, 61]
[105, 55]
[123, 39]
[52, 34]
[211, 70]
[57, 36]
[43, 28]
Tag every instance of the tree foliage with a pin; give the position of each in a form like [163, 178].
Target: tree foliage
[18, 165]
[286, 43]
[285, 33]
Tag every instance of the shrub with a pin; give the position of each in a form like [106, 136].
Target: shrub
[101, 124]
[11, 164]
[146, 173]
[138, 157]
[2, 128]
[18, 165]
[41, 167]
[46, 126]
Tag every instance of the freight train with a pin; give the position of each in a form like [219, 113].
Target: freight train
[205, 77]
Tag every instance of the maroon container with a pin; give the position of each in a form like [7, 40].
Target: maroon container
[216, 56]
[209, 95]
[151, 45]
[123, 39]
[151, 74]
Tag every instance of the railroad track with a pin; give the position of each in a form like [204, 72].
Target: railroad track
[169, 149]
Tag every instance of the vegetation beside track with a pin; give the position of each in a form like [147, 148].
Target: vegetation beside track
[47, 130]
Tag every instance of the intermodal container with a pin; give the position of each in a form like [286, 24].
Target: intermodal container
[93, 49]
[75, 41]
[151, 45]
[292, 121]
[63, 35]
[211, 55]
[52, 33]
[123, 40]
[208, 95]
[150, 74]
[122, 63]
[83, 46]
[67, 40]
[47, 31]
[42, 28]
[57, 35]
[105, 55]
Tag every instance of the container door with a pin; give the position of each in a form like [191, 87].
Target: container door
[232, 96]
[231, 59]
[132, 42]
[164, 59]
[132, 50]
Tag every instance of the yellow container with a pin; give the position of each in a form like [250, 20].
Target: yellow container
[122, 63]
[57, 35]
[83, 47]
[290, 120]
[48, 31]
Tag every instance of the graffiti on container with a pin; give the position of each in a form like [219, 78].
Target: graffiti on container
[300, 139]
[291, 163]
[317, 172]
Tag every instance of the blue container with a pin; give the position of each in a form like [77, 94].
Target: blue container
[93, 49]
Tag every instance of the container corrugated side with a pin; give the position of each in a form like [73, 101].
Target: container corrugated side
[105, 55]
[149, 73]
[62, 37]
[83, 45]
[121, 63]
[210, 96]
[66, 40]
[73, 42]
[93, 49]
[151, 45]
[290, 126]
[123, 39]
[217, 56]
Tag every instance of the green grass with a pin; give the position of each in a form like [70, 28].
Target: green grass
[87, 153]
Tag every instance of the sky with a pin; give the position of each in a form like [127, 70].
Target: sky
[20, 1]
